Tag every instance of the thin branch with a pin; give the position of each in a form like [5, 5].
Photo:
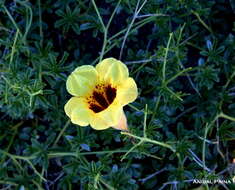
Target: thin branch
[148, 15]
[137, 10]
[152, 175]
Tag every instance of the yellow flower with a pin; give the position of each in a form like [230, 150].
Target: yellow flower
[99, 94]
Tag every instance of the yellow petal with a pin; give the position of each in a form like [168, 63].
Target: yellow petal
[98, 124]
[82, 80]
[127, 92]
[72, 104]
[122, 123]
[81, 117]
[107, 118]
[78, 111]
[113, 71]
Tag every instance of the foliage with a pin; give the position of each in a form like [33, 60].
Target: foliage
[181, 127]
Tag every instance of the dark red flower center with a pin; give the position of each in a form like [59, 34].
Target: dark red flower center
[101, 98]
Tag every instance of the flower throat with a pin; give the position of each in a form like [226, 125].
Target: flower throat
[101, 98]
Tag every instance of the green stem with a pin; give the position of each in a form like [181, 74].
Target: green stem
[35, 170]
[28, 20]
[106, 184]
[61, 133]
[104, 45]
[7, 182]
[76, 154]
[134, 28]
[105, 28]
[62, 154]
[155, 109]
[178, 74]
[15, 128]
[144, 139]
[40, 22]
[202, 22]
[13, 49]
[226, 117]
[174, 94]
[229, 80]
[98, 14]
[111, 18]
[12, 19]
[128, 29]
[135, 108]
[204, 152]
[131, 150]
[118, 38]
[165, 59]
[145, 119]
[204, 148]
